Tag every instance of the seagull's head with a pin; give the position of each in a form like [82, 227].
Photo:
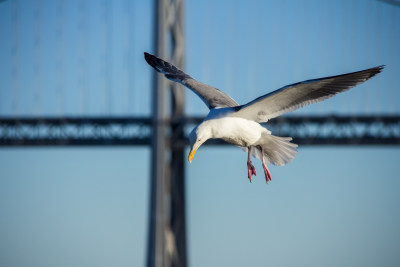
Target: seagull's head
[197, 137]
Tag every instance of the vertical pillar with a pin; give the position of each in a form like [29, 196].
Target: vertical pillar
[167, 224]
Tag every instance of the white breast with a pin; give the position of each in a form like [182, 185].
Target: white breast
[237, 131]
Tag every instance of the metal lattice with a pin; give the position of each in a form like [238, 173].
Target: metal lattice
[305, 130]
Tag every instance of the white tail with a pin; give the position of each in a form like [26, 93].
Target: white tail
[277, 150]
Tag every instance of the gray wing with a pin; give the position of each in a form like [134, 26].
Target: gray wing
[211, 96]
[292, 97]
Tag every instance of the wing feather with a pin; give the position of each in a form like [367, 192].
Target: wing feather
[211, 96]
[300, 94]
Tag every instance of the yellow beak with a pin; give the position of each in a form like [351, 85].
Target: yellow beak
[191, 155]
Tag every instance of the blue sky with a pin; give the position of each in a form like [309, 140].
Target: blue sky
[332, 206]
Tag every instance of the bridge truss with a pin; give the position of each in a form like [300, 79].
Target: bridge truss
[132, 131]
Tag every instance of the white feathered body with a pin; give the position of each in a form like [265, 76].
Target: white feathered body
[238, 131]
[248, 133]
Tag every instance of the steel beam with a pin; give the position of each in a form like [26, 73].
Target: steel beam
[127, 131]
[167, 227]
[85, 131]
[332, 129]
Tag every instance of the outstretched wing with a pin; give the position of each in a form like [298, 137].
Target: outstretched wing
[292, 97]
[211, 96]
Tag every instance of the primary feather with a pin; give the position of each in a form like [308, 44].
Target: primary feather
[295, 96]
[211, 96]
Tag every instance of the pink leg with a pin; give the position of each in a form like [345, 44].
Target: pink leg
[250, 168]
[266, 171]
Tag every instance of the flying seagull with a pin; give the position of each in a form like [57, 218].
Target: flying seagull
[240, 124]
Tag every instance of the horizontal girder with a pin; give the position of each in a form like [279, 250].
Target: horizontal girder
[117, 131]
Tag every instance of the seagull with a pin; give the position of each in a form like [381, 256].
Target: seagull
[240, 124]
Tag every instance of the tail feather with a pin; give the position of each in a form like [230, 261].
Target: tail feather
[277, 150]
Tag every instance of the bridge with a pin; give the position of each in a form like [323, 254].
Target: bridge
[52, 116]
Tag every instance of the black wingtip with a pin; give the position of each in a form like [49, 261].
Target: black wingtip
[374, 71]
[153, 61]
[156, 62]
[147, 55]
[149, 58]
[169, 70]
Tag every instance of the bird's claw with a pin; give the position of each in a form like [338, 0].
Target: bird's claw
[267, 173]
[251, 171]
